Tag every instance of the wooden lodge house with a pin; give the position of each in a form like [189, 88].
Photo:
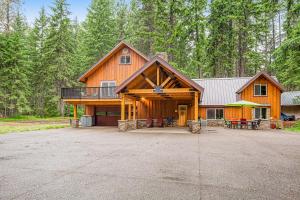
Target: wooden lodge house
[125, 88]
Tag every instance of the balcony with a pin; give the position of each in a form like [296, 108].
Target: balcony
[89, 93]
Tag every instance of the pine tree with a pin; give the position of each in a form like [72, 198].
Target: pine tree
[14, 83]
[100, 29]
[196, 22]
[38, 62]
[59, 47]
[287, 56]
[221, 39]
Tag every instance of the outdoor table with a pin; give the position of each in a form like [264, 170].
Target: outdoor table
[237, 124]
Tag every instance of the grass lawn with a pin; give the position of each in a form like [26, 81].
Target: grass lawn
[31, 123]
[10, 129]
[295, 128]
[31, 118]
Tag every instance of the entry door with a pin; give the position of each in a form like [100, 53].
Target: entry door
[182, 112]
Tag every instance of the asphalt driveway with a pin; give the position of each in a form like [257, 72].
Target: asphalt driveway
[101, 163]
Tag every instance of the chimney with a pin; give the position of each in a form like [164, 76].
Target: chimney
[163, 55]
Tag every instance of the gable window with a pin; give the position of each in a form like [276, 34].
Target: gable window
[108, 89]
[260, 113]
[260, 90]
[215, 113]
[125, 59]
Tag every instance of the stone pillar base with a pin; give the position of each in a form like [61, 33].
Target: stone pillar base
[74, 123]
[131, 124]
[122, 125]
[195, 127]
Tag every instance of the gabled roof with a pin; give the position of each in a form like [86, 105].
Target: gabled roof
[220, 91]
[119, 46]
[290, 98]
[164, 64]
[264, 74]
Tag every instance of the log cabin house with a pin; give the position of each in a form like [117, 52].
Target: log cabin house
[125, 88]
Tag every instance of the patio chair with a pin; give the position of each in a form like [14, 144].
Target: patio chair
[227, 124]
[149, 122]
[170, 121]
[244, 123]
[234, 124]
[159, 122]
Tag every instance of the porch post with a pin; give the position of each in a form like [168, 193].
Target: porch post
[122, 106]
[134, 109]
[75, 122]
[129, 111]
[75, 111]
[196, 106]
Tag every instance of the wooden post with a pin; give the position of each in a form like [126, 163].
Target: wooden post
[129, 111]
[122, 106]
[75, 111]
[157, 75]
[196, 106]
[134, 109]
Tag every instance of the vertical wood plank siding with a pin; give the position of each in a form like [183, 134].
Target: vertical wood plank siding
[272, 98]
[112, 70]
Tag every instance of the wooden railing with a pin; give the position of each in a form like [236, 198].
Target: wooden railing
[89, 93]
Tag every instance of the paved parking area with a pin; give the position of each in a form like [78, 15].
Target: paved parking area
[101, 163]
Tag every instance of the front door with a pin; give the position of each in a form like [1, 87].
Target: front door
[182, 112]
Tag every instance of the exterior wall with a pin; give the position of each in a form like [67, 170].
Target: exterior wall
[164, 108]
[89, 110]
[112, 70]
[291, 110]
[273, 97]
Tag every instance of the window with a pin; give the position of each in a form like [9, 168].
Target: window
[260, 113]
[108, 89]
[260, 90]
[125, 59]
[215, 113]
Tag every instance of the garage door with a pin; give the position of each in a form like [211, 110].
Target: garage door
[108, 116]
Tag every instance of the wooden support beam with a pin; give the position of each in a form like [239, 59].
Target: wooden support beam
[165, 81]
[134, 110]
[75, 111]
[167, 90]
[157, 75]
[122, 106]
[129, 112]
[149, 81]
[196, 106]
[170, 83]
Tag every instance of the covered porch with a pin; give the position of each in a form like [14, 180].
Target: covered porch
[159, 92]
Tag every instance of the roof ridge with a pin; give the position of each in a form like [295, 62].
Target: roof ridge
[222, 78]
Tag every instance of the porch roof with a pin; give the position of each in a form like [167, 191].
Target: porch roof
[161, 62]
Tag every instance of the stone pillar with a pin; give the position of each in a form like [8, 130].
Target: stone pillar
[195, 127]
[122, 125]
[131, 124]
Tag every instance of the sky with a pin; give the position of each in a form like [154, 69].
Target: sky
[31, 8]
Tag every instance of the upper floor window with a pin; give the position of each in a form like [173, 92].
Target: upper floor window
[125, 59]
[215, 113]
[260, 90]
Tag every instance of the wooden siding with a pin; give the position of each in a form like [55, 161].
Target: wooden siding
[112, 70]
[272, 98]
[164, 108]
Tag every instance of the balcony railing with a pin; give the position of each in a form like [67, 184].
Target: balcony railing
[89, 93]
